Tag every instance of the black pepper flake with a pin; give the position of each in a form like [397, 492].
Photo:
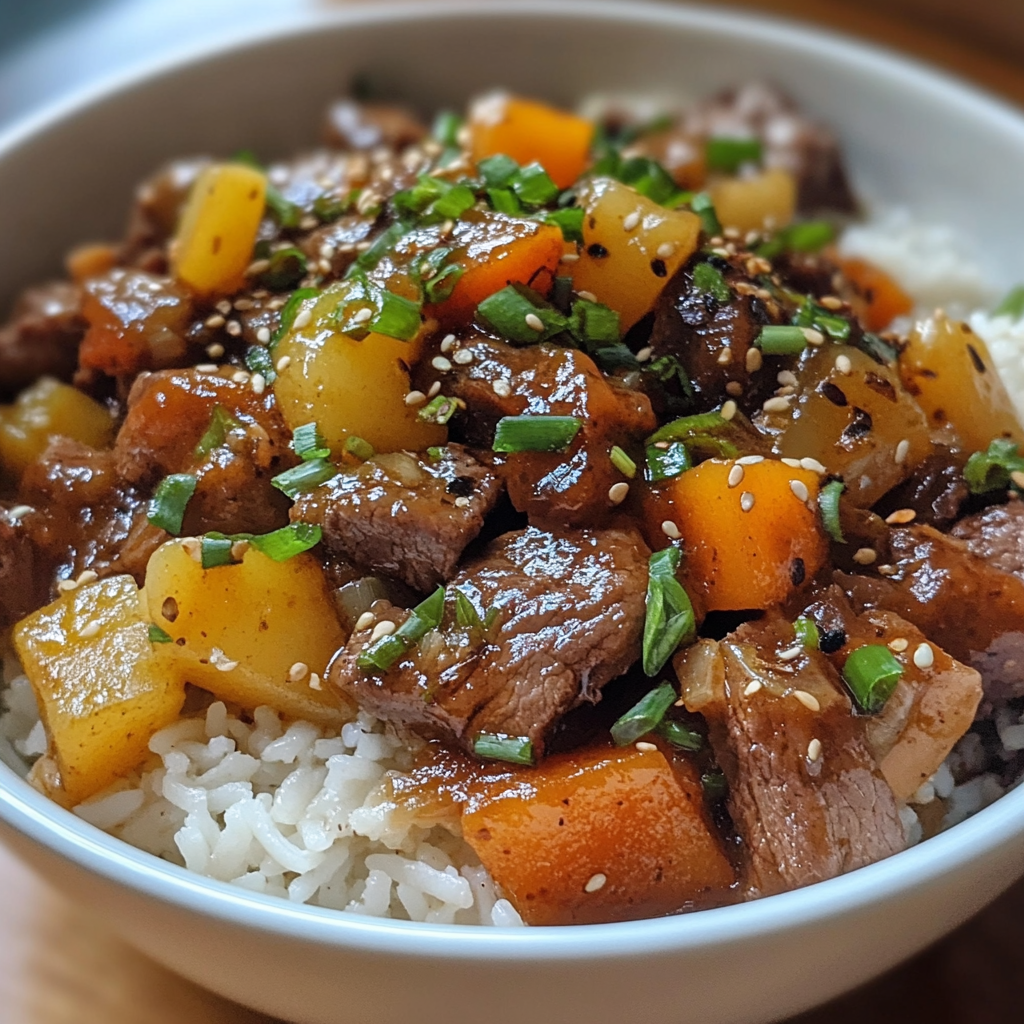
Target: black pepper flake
[597, 250]
[169, 609]
[797, 572]
[979, 363]
[831, 640]
[759, 311]
[659, 268]
[833, 393]
[881, 386]
[461, 486]
[860, 424]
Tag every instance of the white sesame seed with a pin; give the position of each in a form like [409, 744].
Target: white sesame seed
[832, 302]
[631, 220]
[786, 377]
[221, 662]
[617, 492]
[792, 463]
[263, 335]
[791, 653]
[735, 475]
[924, 656]
[213, 322]
[67, 586]
[302, 319]
[787, 390]
[843, 365]
[238, 549]
[283, 363]
[754, 360]
[90, 629]
[812, 465]
[902, 451]
[728, 410]
[746, 501]
[1017, 478]
[734, 388]
[749, 460]
[666, 250]
[814, 750]
[314, 682]
[778, 404]
[751, 688]
[215, 351]
[887, 570]
[587, 296]
[298, 672]
[644, 354]
[534, 322]
[383, 628]
[813, 337]
[326, 251]
[258, 383]
[725, 356]
[901, 517]
[463, 357]
[569, 257]
[88, 576]
[808, 700]
[240, 376]
[234, 328]
[670, 530]
[193, 548]
[597, 881]
[462, 501]
[865, 556]
[441, 363]
[363, 316]
[435, 389]
[257, 267]
[899, 645]
[447, 343]
[415, 398]
[501, 387]
[243, 304]
[799, 488]
[308, 222]
[365, 621]
[20, 511]
[207, 368]
[224, 307]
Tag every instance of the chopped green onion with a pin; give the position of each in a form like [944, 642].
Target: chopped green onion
[570, 220]
[622, 462]
[810, 236]
[496, 746]
[512, 310]
[382, 245]
[614, 357]
[398, 317]
[781, 340]
[258, 360]
[216, 550]
[358, 447]
[287, 268]
[383, 653]
[879, 350]
[872, 673]
[670, 621]
[666, 463]
[715, 786]
[291, 309]
[435, 453]
[810, 314]
[285, 212]
[680, 735]
[993, 469]
[305, 477]
[308, 443]
[593, 323]
[630, 133]
[439, 410]
[442, 284]
[807, 632]
[171, 498]
[667, 368]
[709, 279]
[446, 128]
[702, 205]
[504, 201]
[1013, 305]
[159, 636]
[730, 154]
[497, 171]
[221, 424]
[289, 541]
[644, 716]
[535, 433]
[328, 208]
[642, 174]
[534, 187]
[454, 202]
[828, 504]
[687, 426]
[466, 614]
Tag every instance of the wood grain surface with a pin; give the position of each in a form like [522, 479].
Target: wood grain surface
[60, 966]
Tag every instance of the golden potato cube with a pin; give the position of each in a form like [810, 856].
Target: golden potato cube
[46, 410]
[103, 687]
[631, 248]
[215, 238]
[252, 633]
[766, 200]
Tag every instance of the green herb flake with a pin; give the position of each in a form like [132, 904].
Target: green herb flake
[215, 550]
[670, 621]
[466, 614]
[595, 325]
[781, 340]
[398, 317]
[290, 310]
[442, 284]
[309, 444]
[828, 505]
[570, 220]
[810, 314]
[446, 128]
[259, 360]
[359, 448]
[496, 746]
[284, 211]
[872, 673]
[439, 410]
[645, 716]
[680, 736]
[715, 786]
[533, 186]
[504, 200]
[622, 462]
[709, 279]
[159, 636]
[221, 424]
[497, 171]
[668, 462]
[289, 541]
[305, 477]
[171, 498]
[383, 653]
[702, 205]
[807, 632]
[287, 268]
[1012, 305]
[535, 433]
[515, 313]
[994, 468]
[728, 155]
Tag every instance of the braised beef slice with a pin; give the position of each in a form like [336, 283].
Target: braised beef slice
[936, 489]
[975, 611]
[997, 536]
[365, 126]
[405, 516]
[41, 338]
[802, 819]
[570, 620]
[567, 488]
[24, 571]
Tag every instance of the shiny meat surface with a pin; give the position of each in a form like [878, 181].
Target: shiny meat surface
[791, 751]
[936, 490]
[405, 516]
[570, 618]
[24, 574]
[997, 536]
[365, 126]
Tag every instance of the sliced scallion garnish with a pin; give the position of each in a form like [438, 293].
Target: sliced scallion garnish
[291, 309]
[521, 316]
[781, 340]
[669, 462]
[221, 424]
[645, 716]
[709, 279]
[622, 462]
[287, 268]
[258, 360]
[497, 171]
[439, 409]
[504, 200]
[828, 505]
[680, 735]
[806, 632]
[496, 746]
[595, 325]
[872, 673]
[702, 205]
[358, 447]
[171, 498]
[728, 154]
[670, 621]
[535, 433]
[384, 652]
[446, 128]
[1012, 305]
[289, 541]
[442, 284]
[215, 550]
[158, 635]
[570, 220]
[533, 186]
[305, 477]
[308, 443]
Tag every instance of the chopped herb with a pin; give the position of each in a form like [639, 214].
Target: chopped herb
[667, 368]
[504, 201]
[570, 220]
[258, 360]
[398, 317]
[305, 477]
[382, 245]
[828, 504]
[810, 236]
[679, 735]
[645, 716]
[879, 350]
[507, 311]
[446, 128]
[221, 424]
[781, 340]
[593, 323]
[291, 309]
[728, 155]
[992, 469]
[642, 174]
[872, 673]
[709, 279]
[666, 463]
[328, 208]
[285, 212]
[453, 203]
[308, 443]
[287, 268]
[535, 433]
[497, 171]
[614, 357]
[442, 284]
[1013, 305]
[689, 426]
[466, 614]
[435, 453]
[383, 653]
[622, 462]
[439, 410]
[289, 541]
[216, 550]
[806, 632]
[496, 746]
[534, 187]
[810, 314]
[159, 636]
[715, 786]
[670, 621]
[171, 498]
[702, 205]
[359, 448]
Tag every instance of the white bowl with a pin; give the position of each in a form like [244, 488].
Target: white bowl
[913, 136]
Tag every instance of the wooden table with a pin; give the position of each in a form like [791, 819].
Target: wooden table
[60, 966]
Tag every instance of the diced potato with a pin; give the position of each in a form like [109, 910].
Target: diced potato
[949, 370]
[598, 835]
[528, 132]
[215, 238]
[240, 630]
[627, 269]
[854, 423]
[103, 688]
[349, 387]
[767, 200]
[747, 545]
[46, 410]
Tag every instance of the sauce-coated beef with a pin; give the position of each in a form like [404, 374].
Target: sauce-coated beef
[996, 535]
[405, 516]
[24, 572]
[570, 619]
[365, 126]
[936, 490]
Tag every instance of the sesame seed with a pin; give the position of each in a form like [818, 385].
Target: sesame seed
[221, 662]
[787, 390]
[924, 656]
[462, 501]
[887, 570]
[258, 383]
[666, 250]
[224, 306]
[283, 363]
[596, 882]
[746, 501]
[193, 548]
[644, 354]
[899, 645]
[365, 621]
[244, 304]
[752, 688]
[20, 511]
[415, 398]
[90, 629]
[728, 410]
[257, 267]
[501, 387]
[725, 356]
[831, 302]
[734, 388]
[569, 257]
[901, 516]
[791, 653]
[234, 328]
[808, 700]
[308, 222]
[865, 556]
[902, 451]
[670, 530]
[813, 337]
[447, 343]
[463, 357]
[326, 251]
[1017, 478]
[298, 672]
[302, 319]
[263, 335]
[786, 377]
[843, 365]
[215, 351]
[814, 750]
[435, 389]
[754, 360]
[213, 322]
[749, 460]
[631, 220]
[645, 746]
[617, 492]
[67, 586]
[778, 404]
[240, 376]
[314, 682]
[238, 549]
[812, 466]
[799, 488]
[363, 316]
[383, 628]
[88, 576]
[587, 296]
[207, 368]
[440, 363]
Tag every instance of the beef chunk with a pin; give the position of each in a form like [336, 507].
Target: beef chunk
[571, 614]
[936, 489]
[41, 338]
[996, 535]
[405, 516]
[805, 811]
[24, 571]
[365, 126]
[976, 611]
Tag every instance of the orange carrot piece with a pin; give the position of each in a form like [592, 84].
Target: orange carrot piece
[883, 299]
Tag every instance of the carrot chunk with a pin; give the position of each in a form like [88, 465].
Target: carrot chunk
[883, 299]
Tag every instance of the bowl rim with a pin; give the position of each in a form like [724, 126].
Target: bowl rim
[30, 813]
